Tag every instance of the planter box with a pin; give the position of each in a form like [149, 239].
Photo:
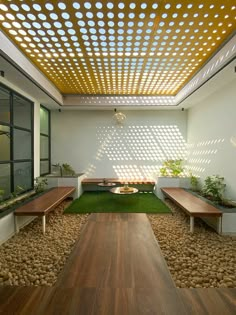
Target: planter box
[75, 181]
[162, 181]
[7, 221]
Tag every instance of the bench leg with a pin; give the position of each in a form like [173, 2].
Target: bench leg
[44, 223]
[191, 224]
[16, 224]
[220, 225]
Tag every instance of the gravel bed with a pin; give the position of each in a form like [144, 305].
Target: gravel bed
[31, 258]
[200, 260]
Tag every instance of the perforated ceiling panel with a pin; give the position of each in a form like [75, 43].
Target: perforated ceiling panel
[118, 47]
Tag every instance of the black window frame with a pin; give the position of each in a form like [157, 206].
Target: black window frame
[49, 142]
[12, 126]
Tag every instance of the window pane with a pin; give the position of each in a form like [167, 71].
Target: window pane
[44, 121]
[4, 143]
[4, 105]
[44, 167]
[44, 153]
[5, 180]
[21, 112]
[22, 144]
[23, 175]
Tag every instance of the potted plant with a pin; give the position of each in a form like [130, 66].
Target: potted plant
[64, 175]
[172, 174]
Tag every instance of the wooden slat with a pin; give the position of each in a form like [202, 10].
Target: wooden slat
[190, 203]
[116, 268]
[43, 204]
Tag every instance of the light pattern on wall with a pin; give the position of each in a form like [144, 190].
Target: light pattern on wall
[201, 153]
[138, 151]
[118, 47]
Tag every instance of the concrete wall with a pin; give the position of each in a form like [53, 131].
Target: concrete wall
[92, 142]
[211, 126]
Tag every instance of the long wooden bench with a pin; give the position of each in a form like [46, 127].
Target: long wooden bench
[117, 181]
[43, 204]
[142, 184]
[192, 205]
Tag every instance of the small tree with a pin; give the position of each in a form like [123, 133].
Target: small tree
[67, 169]
[172, 168]
[64, 169]
[214, 187]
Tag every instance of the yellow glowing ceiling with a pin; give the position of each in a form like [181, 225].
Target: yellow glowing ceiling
[118, 47]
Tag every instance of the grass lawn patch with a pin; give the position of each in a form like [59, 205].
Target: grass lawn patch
[99, 201]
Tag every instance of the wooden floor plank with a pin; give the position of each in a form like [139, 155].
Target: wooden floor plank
[117, 254]
[215, 301]
[116, 268]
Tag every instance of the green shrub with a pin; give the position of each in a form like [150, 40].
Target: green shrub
[40, 184]
[64, 169]
[67, 169]
[214, 188]
[194, 182]
[172, 168]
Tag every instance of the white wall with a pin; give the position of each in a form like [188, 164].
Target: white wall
[211, 124]
[92, 143]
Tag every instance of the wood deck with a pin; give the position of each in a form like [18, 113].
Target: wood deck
[116, 268]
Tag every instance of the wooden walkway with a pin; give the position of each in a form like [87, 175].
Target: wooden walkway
[116, 268]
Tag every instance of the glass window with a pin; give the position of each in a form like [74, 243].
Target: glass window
[21, 112]
[22, 144]
[5, 180]
[23, 175]
[44, 147]
[45, 157]
[44, 167]
[16, 142]
[44, 121]
[4, 105]
[4, 143]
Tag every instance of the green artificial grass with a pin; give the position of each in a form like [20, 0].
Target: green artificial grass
[99, 201]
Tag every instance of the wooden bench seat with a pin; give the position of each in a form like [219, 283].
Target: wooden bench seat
[43, 204]
[117, 181]
[192, 205]
[93, 184]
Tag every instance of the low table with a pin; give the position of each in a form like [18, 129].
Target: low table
[106, 184]
[116, 190]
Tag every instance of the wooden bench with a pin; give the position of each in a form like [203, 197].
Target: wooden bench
[91, 183]
[117, 181]
[192, 205]
[43, 204]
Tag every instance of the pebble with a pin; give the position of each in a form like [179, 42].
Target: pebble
[31, 258]
[203, 259]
